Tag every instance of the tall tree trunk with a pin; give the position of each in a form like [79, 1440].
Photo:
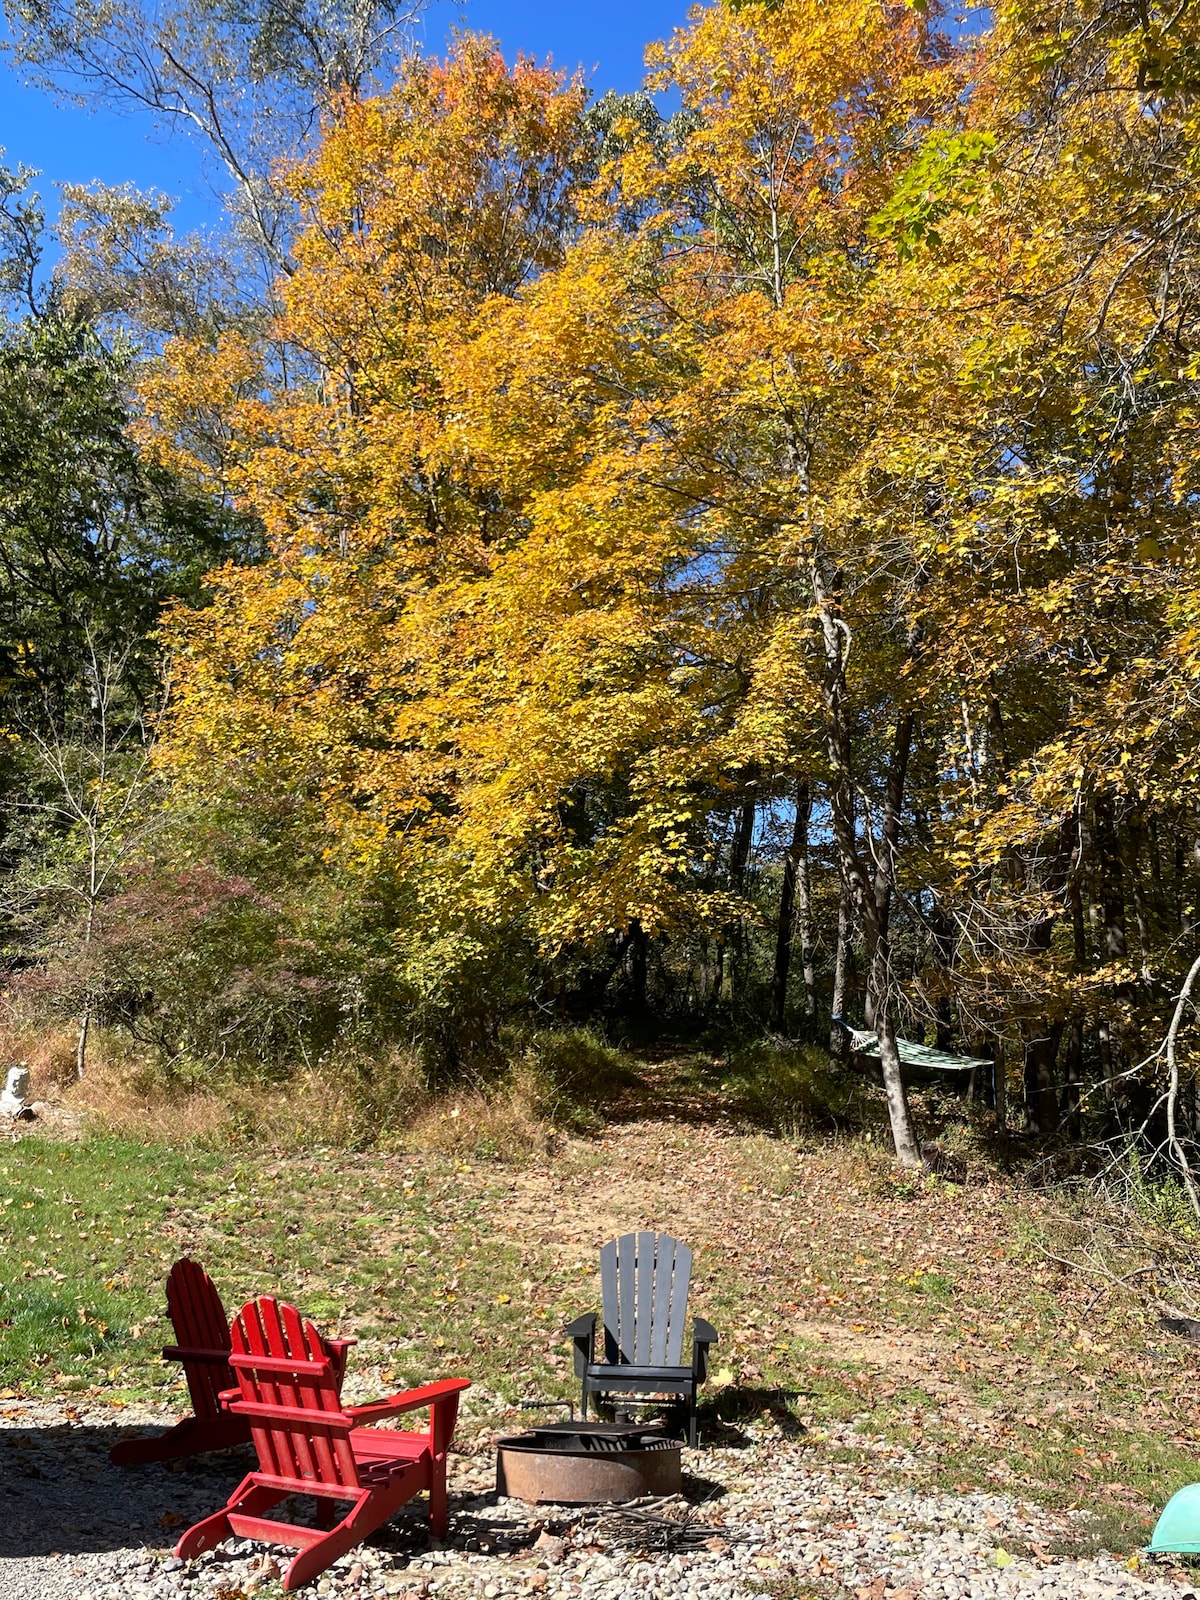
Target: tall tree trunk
[1072, 1111]
[1108, 1063]
[904, 1135]
[1072, 1103]
[637, 968]
[1111, 873]
[804, 927]
[81, 1043]
[743, 837]
[838, 1041]
[880, 979]
[1041, 1091]
[89, 926]
[739, 856]
[793, 910]
[872, 890]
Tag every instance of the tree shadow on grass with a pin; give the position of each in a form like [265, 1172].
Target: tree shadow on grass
[725, 1415]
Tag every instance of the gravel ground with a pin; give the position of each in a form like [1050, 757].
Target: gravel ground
[72, 1527]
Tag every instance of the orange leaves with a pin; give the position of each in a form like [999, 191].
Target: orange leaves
[455, 186]
[572, 433]
[189, 402]
[343, 666]
[787, 100]
[538, 522]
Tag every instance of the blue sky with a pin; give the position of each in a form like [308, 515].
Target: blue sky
[70, 145]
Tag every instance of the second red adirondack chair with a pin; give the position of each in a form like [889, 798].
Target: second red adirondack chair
[202, 1330]
[308, 1443]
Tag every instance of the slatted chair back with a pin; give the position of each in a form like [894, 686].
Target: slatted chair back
[289, 1381]
[644, 1280]
[200, 1324]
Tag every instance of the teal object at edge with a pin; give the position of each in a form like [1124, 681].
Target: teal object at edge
[1179, 1526]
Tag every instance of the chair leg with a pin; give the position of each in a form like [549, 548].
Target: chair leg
[191, 1437]
[310, 1563]
[439, 1506]
[693, 1425]
[177, 1441]
[204, 1535]
[249, 1498]
[370, 1510]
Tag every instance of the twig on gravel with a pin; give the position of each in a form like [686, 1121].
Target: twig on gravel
[644, 1527]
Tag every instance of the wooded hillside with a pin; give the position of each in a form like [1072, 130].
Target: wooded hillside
[559, 562]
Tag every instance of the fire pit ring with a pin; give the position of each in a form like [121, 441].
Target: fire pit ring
[588, 1463]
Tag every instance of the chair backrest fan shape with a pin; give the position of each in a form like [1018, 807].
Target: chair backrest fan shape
[200, 1323]
[289, 1394]
[644, 1280]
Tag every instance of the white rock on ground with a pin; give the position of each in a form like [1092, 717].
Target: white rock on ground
[73, 1527]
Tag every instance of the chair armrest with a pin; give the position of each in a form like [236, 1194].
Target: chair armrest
[703, 1334]
[583, 1332]
[411, 1400]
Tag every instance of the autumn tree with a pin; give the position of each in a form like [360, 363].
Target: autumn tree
[604, 608]
[770, 501]
[95, 539]
[249, 84]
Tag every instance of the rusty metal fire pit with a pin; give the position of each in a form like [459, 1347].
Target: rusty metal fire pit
[588, 1463]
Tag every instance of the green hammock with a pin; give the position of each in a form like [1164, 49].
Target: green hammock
[915, 1055]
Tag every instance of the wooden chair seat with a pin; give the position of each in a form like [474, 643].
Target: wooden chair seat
[625, 1372]
[379, 1453]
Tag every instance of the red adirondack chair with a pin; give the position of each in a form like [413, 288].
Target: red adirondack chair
[202, 1330]
[308, 1443]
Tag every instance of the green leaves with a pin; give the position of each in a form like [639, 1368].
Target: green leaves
[947, 178]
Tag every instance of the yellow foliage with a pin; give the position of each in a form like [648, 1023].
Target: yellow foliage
[578, 468]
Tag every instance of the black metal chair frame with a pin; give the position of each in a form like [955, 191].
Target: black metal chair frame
[644, 1279]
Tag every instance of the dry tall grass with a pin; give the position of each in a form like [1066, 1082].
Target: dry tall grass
[552, 1082]
[48, 1052]
[508, 1119]
[343, 1103]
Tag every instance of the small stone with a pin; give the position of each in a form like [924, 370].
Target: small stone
[549, 1548]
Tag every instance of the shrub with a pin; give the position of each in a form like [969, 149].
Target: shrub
[788, 1088]
[578, 1064]
[199, 965]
